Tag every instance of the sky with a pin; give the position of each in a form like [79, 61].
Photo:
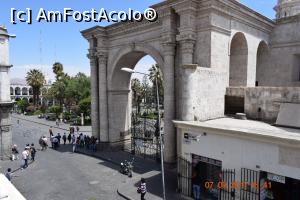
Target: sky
[41, 44]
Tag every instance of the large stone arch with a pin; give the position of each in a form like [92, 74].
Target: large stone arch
[135, 52]
[238, 60]
[262, 67]
[119, 98]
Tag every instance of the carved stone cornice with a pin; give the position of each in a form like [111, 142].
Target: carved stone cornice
[187, 36]
[187, 46]
[168, 37]
[190, 66]
[92, 54]
[102, 56]
[169, 48]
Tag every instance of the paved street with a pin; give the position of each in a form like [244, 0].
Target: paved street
[61, 175]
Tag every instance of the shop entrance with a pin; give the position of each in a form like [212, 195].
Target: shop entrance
[206, 174]
[278, 187]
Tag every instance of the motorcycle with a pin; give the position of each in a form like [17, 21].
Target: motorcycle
[126, 167]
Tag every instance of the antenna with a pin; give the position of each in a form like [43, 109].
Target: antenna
[55, 58]
[40, 48]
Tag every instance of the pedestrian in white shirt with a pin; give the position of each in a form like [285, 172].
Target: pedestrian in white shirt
[25, 156]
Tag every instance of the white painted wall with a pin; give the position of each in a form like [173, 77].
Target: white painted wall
[237, 153]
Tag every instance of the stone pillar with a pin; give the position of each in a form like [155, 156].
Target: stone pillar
[103, 114]
[5, 100]
[94, 94]
[187, 80]
[169, 103]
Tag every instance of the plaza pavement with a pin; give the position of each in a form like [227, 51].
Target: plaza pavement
[63, 175]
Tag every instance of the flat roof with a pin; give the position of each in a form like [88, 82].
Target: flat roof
[248, 128]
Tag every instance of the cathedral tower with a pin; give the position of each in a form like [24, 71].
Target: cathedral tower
[287, 8]
[5, 101]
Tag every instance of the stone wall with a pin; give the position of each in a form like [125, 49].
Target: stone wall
[5, 131]
[209, 94]
[263, 103]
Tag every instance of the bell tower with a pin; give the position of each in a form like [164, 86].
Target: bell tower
[5, 101]
[287, 8]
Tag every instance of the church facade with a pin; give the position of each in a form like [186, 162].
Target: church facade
[217, 57]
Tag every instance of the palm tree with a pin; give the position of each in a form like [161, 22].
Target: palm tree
[137, 92]
[155, 73]
[36, 79]
[58, 70]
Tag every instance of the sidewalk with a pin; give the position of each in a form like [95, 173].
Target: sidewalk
[62, 126]
[148, 169]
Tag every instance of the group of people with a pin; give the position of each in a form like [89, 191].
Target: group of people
[85, 141]
[76, 139]
[28, 153]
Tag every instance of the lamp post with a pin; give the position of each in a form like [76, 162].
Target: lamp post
[158, 125]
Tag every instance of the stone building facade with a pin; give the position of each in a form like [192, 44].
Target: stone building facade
[205, 48]
[5, 101]
[19, 89]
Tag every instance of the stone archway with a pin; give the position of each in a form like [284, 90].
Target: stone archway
[119, 109]
[238, 60]
[262, 71]
[24, 91]
[17, 91]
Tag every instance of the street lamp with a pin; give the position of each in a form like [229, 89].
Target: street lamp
[125, 69]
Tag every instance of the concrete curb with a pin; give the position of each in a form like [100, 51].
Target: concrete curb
[123, 195]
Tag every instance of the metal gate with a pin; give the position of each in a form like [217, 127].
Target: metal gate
[226, 186]
[250, 188]
[145, 138]
[184, 177]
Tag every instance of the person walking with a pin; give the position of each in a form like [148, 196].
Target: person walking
[15, 153]
[64, 138]
[25, 156]
[69, 138]
[142, 189]
[74, 142]
[55, 143]
[33, 151]
[58, 137]
[8, 174]
[50, 132]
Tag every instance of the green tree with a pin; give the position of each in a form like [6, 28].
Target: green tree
[55, 109]
[137, 93]
[58, 70]
[85, 106]
[22, 105]
[36, 80]
[78, 88]
[58, 89]
[156, 73]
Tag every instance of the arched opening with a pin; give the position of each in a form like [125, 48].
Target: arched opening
[17, 99]
[24, 91]
[17, 91]
[262, 64]
[238, 60]
[30, 91]
[133, 104]
[11, 91]
[30, 100]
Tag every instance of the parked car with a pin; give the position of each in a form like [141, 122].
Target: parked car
[41, 116]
